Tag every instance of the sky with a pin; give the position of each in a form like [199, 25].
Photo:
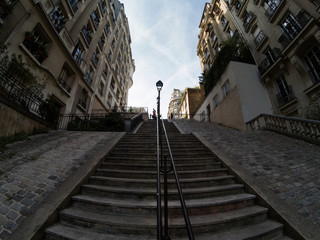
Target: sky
[164, 36]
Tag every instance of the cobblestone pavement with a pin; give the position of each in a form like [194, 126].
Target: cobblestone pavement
[32, 168]
[289, 167]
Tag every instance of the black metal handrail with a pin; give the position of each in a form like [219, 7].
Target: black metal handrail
[165, 172]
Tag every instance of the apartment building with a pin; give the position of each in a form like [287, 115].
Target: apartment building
[236, 95]
[174, 103]
[283, 37]
[80, 48]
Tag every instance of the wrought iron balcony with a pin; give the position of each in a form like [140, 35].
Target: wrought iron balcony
[268, 62]
[283, 99]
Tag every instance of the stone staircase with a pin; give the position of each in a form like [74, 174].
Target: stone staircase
[119, 201]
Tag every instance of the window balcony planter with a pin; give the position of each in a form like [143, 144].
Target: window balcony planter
[37, 49]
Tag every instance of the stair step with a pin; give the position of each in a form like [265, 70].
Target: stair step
[152, 166]
[148, 190]
[59, 231]
[125, 224]
[148, 207]
[265, 230]
[152, 174]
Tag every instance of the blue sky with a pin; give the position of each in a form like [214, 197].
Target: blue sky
[164, 36]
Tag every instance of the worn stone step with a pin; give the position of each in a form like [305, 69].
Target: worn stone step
[265, 230]
[149, 207]
[139, 173]
[59, 232]
[120, 190]
[154, 158]
[153, 153]
[125, 224]
[152, 166]
[151, 160]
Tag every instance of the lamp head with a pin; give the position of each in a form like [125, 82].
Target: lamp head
[159, 85]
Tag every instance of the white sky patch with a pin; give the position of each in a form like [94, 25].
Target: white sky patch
[164, 37]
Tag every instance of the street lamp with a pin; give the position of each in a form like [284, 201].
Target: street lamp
[159, 85]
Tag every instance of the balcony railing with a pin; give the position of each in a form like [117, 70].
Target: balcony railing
[286, 38]
[267, 63]
[305, 129]
[283, 99]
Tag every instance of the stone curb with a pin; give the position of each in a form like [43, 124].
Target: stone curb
[35, 224]
[295, 225]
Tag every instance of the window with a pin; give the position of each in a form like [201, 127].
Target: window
[312, 60]
[37, 43]
[95, 16]
[285, 93]
[83, 98]
[230, 33]
[87, 32]
[226, 88]
[78, 53]
[57, 17]
[107, 28]
[271, 6]
[290, 26]
[64, 79]
[100, 89]
[74, 5]
[105, 71]
[95, 57]
[215, 101]
[102, 41]
[103, 6]
[113, 82]
[89, 76]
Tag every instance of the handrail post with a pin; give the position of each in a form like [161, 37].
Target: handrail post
[159, 216]
[165, 196]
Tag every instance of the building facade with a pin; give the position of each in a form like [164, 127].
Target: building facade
[80, 48]
[283, 37]
[174, 103]
[190, 102]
